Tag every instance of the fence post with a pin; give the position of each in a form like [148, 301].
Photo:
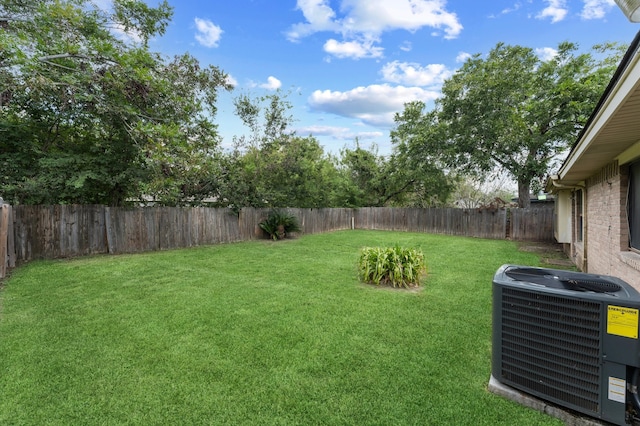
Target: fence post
[4, 241]
[11, 240]
[108, 230]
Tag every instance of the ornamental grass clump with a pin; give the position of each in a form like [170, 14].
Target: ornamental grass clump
[392, 266]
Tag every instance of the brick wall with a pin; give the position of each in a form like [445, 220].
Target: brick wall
[607, 228]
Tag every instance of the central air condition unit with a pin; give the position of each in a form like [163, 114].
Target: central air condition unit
[568, 338]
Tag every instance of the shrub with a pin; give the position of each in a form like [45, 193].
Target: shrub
[394, 266]
[279, 223]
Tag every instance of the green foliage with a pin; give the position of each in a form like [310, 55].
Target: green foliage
[88, 116]
[508, 110]
[291, 172]
[371, 180]
[279, 224]
[394, 266]
[364, 172]
[470, 193]
[267, 118]
[418, 180]
[272, 166]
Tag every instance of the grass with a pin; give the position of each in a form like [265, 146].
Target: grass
[264, 333]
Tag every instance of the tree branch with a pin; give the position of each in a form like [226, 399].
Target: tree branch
[399, 191]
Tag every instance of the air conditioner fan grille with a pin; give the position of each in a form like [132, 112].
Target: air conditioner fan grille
[551, 347]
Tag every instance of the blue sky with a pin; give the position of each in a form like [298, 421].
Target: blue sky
[351, 64]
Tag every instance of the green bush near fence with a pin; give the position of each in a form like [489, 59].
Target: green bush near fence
[279, 224]
[394, 266]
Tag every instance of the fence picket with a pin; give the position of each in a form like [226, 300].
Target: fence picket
[4, 239]
[64, 231]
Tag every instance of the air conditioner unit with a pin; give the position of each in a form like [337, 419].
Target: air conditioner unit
[568, 338]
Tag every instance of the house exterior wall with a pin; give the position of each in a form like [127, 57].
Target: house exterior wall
[597, 172]
[577, 246]
[562, 217]
[606, 228]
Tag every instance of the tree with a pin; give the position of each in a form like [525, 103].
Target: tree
[470, 194]
[420, 180]
[363, 183]
[87, 117]
[399, 180]
[272, 166]
[297, 173]
[267, 118]
[510, 110]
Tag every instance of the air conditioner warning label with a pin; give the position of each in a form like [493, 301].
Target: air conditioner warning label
[622, 321]
[617, 389]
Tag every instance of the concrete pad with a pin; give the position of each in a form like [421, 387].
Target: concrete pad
[569, 418]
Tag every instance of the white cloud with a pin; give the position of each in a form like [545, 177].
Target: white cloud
[317, 130]
[272, 83]
[339, 133]
[462, 57]
[385, 15]
[413, 74]
[365, 135]
[103, 4]
[546, 53]
[353, 49]
[319, 16]
[511, 9]
[374, 105]
[367, 20]
[596, 9]
[556, 10]
[131, 36]
[406, 46]
[208, 33]
[231, 80]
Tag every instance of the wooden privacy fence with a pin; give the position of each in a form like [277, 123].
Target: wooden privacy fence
[45, 232]
[531, 224]
[469, 222]
[312, 221]
[73, 230]
[37, 232]
[7, 247]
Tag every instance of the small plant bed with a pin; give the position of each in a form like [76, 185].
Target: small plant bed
[396, 266]
[279, 224]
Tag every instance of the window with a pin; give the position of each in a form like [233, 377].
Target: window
[633, 206]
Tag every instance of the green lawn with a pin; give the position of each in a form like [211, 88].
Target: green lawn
[271, 333]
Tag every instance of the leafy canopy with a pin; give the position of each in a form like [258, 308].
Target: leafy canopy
[89, 114]
[509, 110]
[271, 166]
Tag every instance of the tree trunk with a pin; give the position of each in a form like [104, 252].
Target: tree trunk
[524, 198]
